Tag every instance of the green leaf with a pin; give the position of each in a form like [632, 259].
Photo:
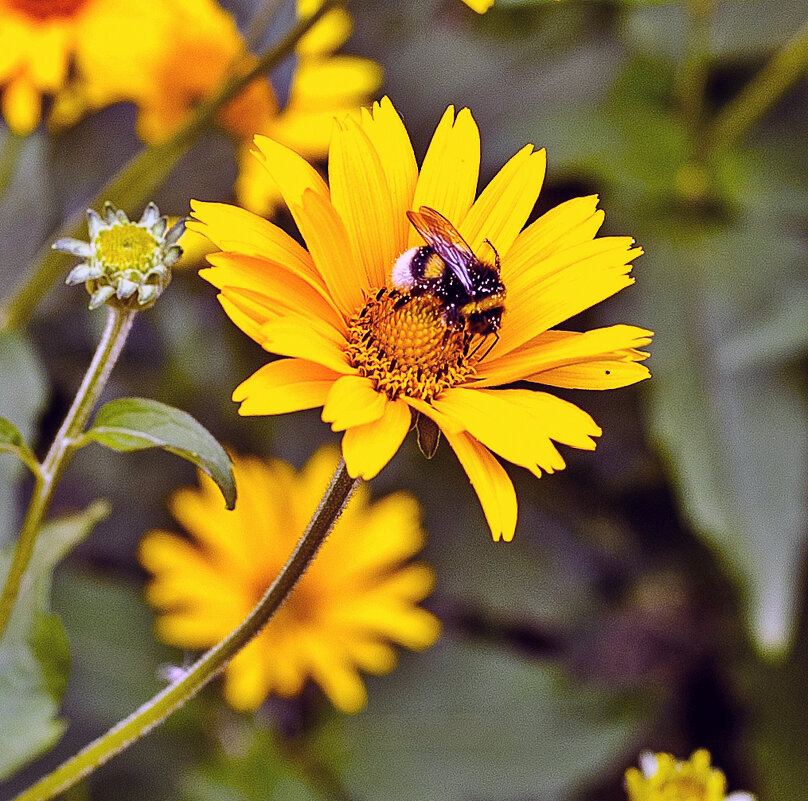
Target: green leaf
[429, 724]
[22, 395]
[11, 441]
[34, 655]
[132, 424]
[733, 430]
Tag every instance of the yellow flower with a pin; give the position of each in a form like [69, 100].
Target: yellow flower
[41, 41]
[357, 598]
[373, 360]
[664, 778]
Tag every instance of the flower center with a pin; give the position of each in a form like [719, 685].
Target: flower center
[404, 346]
[682, 788]
[126, 247]
[46, 9]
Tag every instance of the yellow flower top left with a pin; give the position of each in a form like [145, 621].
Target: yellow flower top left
[44, 42]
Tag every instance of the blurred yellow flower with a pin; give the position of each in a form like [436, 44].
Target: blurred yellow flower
[359, 596]
[664, 778]
[200, 47]
[41, 43]
[375, 360]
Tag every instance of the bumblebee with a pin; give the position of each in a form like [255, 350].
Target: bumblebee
[469, 289]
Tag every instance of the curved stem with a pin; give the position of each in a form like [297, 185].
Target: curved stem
[116, 330]
[208, 666]
[761, 93]
[134, 184]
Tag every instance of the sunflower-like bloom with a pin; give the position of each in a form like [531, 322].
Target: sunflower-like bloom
[358, 597]
[374, 360]
[664, 778]
[43, 41]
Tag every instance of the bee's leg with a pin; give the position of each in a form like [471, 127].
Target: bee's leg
[496, 339]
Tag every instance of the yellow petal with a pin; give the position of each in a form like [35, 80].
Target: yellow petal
[361, 196]
[245, 681]
[593, 375]
[21, 105]
[334, 673]
[508, 422]
[505, 204]
[279, 287]
[368, 448]
[490, 481]
[245, 320]
[292, 173]
[569, 224]
[234, 229]
[295, 336]
[353, 401]
[286, 385]
[255, 190]
[574, 281]
[386, 131]
[451, 169]
[334, 82]
[333, 254]
[480, 6]
[328, 34]
[559, 349]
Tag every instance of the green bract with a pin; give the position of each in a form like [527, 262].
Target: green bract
[126, 264]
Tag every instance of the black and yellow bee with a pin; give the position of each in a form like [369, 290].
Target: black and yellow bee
[469, 289]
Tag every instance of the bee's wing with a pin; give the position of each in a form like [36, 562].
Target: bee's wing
[446, 241]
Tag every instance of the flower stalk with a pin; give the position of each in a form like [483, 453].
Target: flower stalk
[174, 696]
[784, 69]
[136, 181]
[118, 324]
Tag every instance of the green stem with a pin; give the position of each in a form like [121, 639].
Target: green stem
[691, 80]
[117, 327]
[9, 159]
[761, 93]
[208, 666]
[134, 184]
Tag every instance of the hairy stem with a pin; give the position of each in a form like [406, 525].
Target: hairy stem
[211, 663]
[135, 183]
[116, 330]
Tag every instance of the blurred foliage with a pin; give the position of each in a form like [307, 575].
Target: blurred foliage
[34, 653]
[615, 621]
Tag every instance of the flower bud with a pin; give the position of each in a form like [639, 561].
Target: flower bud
[125, 264]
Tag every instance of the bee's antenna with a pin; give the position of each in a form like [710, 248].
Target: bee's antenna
[497, 261]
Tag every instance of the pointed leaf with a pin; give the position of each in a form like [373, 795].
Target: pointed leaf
[132, 424]
[34, 656]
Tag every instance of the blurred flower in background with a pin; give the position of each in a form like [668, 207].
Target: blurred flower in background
[374, 363]
[664, 778]
[46, 47]
[203, 48]
[357, 599]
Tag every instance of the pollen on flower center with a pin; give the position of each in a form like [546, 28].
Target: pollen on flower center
[46, 9]
[126, 247]
[406, 347]
[682, 788]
